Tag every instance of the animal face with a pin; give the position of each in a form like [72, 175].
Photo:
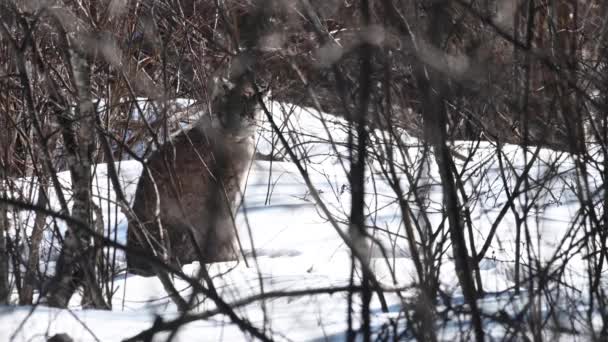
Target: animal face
[238, 109]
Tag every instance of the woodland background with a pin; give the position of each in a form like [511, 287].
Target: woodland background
[524, 72]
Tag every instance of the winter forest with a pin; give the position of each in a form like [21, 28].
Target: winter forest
[303, 170]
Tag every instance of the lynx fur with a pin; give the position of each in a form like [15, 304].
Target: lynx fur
[193, 182]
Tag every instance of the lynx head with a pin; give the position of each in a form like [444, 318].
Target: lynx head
[237, 107]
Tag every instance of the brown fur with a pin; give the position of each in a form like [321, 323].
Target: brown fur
[198, 176]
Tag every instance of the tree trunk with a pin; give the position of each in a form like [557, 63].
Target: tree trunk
[76, 264]
[4, 257]
[434, 90]
[31, 280]
[5, 162]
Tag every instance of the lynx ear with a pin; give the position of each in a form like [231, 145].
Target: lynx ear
[266, 92]
[251, 90]
[220, 86]
[227, 85]
[264, 89]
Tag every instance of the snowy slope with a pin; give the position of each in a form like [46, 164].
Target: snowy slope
[297, 248]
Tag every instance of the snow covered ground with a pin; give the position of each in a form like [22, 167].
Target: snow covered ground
[298, 249]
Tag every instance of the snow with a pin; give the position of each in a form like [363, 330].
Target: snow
[298, 249]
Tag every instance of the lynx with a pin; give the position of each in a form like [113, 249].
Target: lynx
[194, 180]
